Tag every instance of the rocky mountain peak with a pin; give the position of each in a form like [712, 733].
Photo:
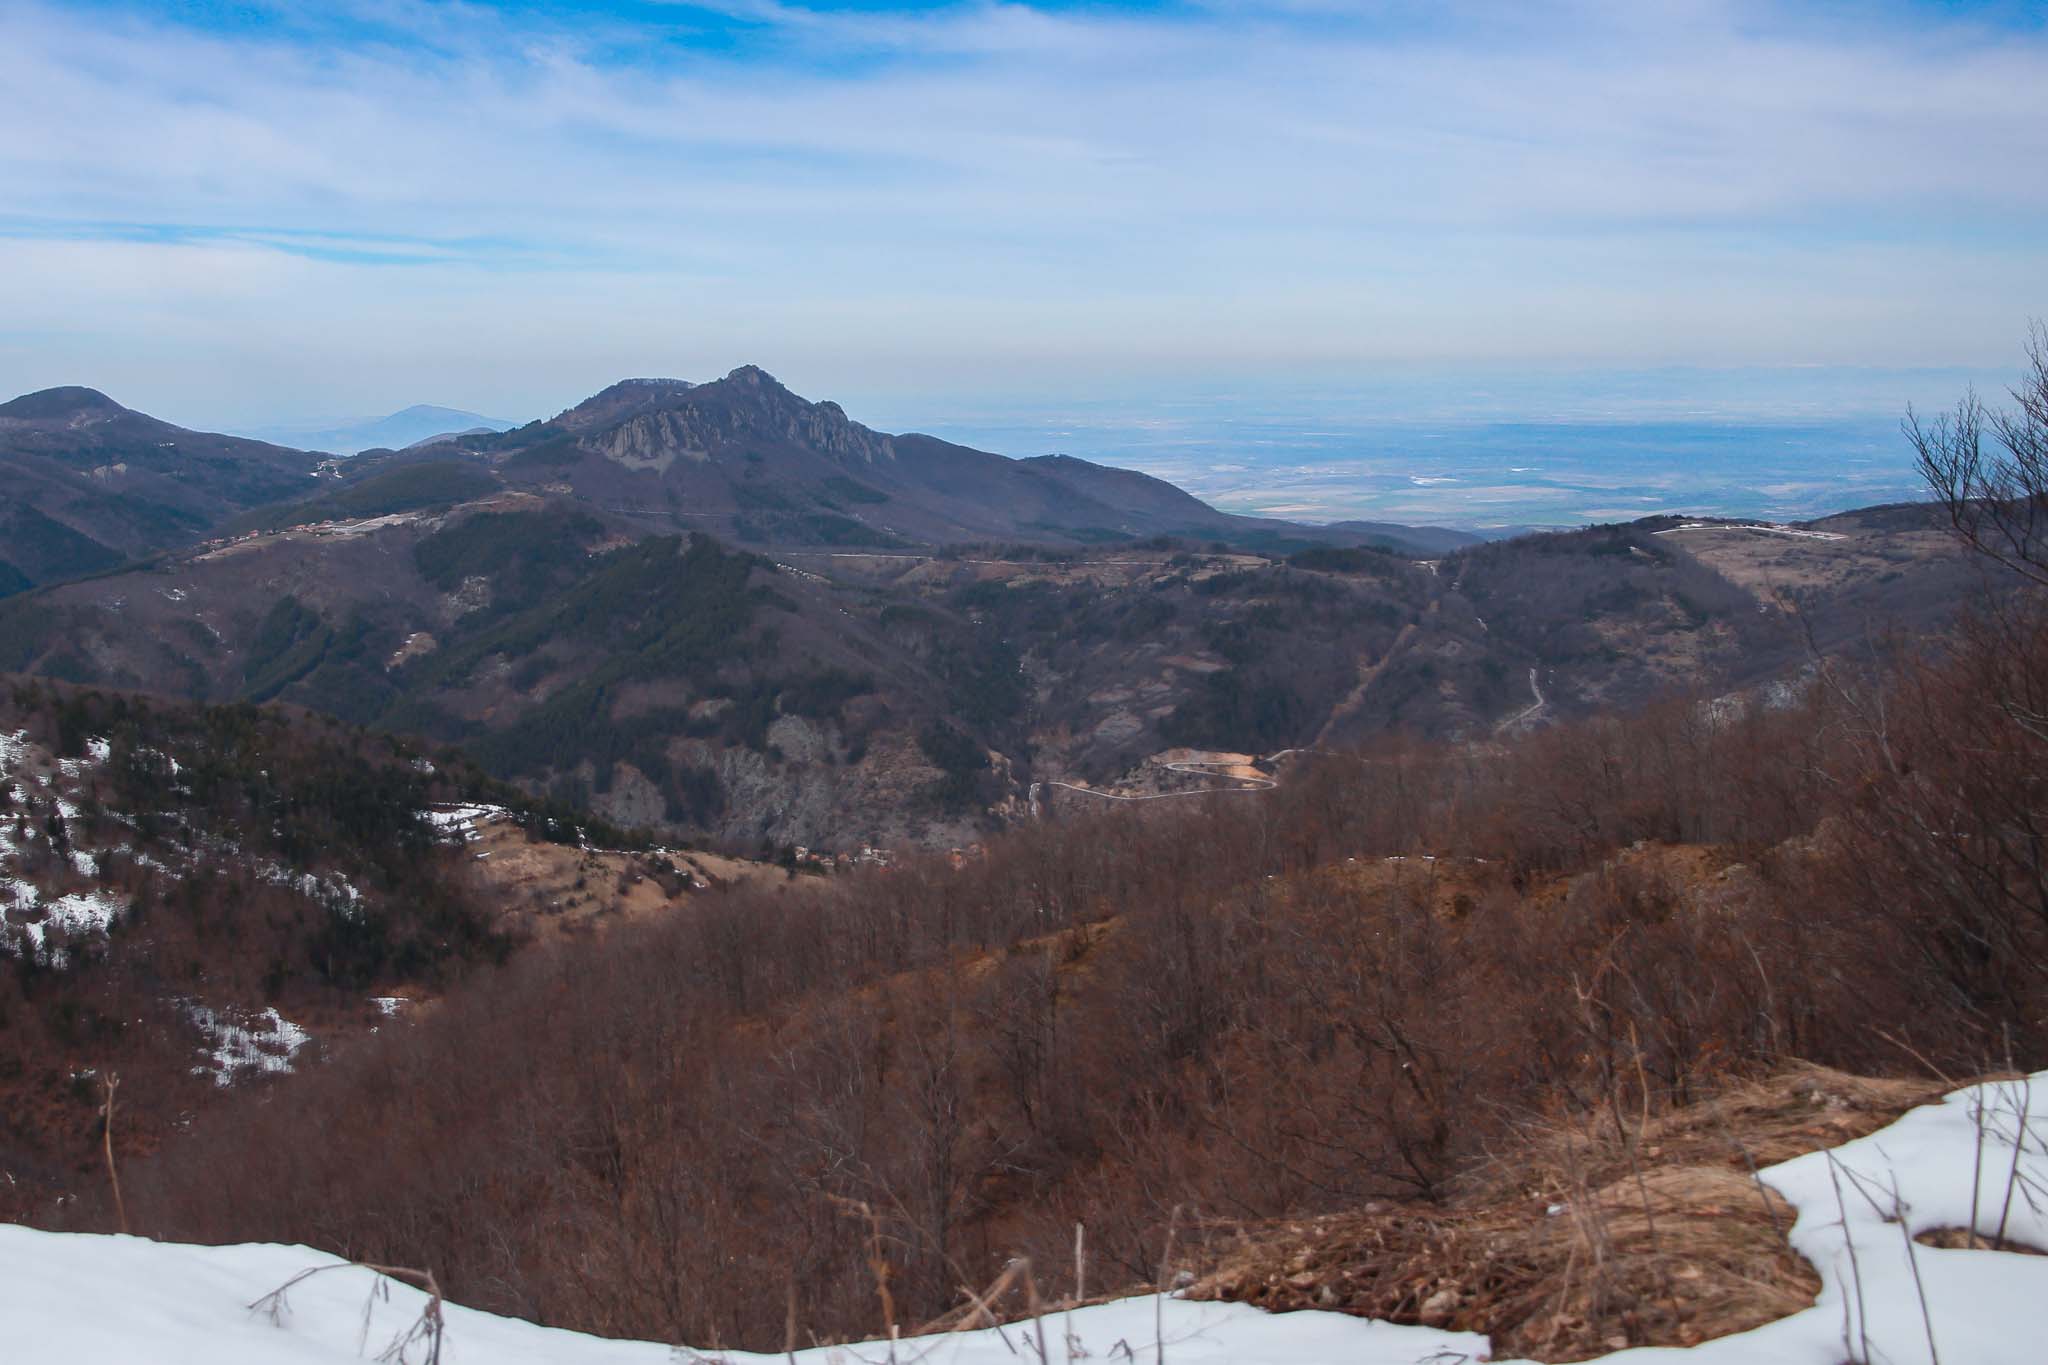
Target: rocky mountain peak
[618, 402]
[754, 377]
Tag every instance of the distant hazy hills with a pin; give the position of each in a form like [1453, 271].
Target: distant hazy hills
[410, 426]
[92, 484]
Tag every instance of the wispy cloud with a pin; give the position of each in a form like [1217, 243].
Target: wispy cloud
[980, 192]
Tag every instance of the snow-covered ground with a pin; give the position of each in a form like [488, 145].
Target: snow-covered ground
[1796, 532]
[42, 921]
[1980, 1158]
[27, 912]
[333, 892]
[461, 824]
[261, 1044]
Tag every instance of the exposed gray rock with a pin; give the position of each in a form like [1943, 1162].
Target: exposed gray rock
[654, 441]
[633, 800]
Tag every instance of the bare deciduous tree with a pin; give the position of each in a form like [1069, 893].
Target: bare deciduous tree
[1996, 490]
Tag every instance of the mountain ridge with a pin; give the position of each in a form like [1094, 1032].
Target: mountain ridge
[742, 456]
[86, 483]
[738, 614]
[746, 456]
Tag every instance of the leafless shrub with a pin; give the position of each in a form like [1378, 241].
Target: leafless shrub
[425, 1331]
[1997, 500]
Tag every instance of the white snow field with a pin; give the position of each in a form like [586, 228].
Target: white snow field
[1979, 1158]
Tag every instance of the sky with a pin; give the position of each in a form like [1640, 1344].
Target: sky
[240, 213]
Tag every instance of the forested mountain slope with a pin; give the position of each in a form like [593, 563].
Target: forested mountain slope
[193, 897]
[86, 483]
[839, 698]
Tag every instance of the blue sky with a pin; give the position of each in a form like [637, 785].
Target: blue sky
[249, 212]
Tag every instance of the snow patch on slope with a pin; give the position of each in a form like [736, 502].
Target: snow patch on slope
[334, 892]
[257, 1045]
[37, 921]
[1979, 1158]
[97, 752]
[461, 824]
[84, 912]
[33, 922]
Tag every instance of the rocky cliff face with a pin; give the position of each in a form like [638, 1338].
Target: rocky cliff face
[807, 788]
[653, 440]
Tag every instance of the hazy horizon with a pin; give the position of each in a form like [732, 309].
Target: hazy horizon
[242, 213]
[1481, 449]
[1493, 451]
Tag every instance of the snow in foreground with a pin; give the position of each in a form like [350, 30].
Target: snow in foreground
[1979, 1158]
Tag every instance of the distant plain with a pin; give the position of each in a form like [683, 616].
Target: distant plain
[1493, 454]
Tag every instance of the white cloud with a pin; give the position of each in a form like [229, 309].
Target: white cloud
[999, 193]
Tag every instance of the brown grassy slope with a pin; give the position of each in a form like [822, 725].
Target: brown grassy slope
[1589, 1234]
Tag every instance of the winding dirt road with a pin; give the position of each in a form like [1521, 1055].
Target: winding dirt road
[1199, 767]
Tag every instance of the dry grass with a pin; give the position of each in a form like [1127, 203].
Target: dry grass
[1588, 1236]
[1961, 1239]
[555, 889]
